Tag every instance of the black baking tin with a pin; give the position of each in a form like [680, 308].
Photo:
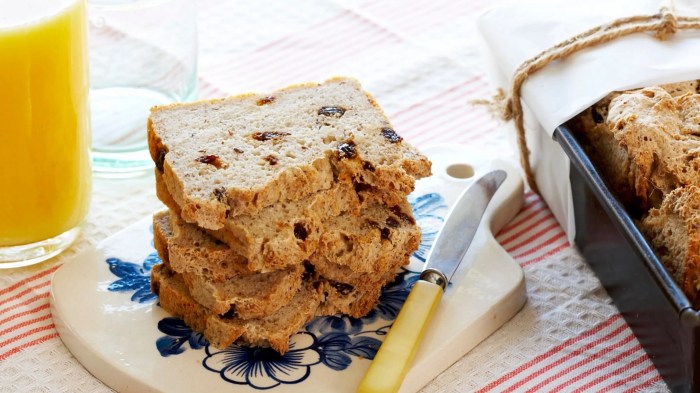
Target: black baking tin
[653, 305]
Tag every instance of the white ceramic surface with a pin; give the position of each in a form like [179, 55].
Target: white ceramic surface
[110, 321]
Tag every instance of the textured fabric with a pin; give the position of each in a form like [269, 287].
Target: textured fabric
[420, 60]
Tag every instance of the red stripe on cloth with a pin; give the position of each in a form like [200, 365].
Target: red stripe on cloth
[441, 109]
[28, 280]
[548, 242]
[439, 116]
[548, 254]
[24, 303]
[23, 313]
[531, 195]
[481, 135]
[427, 105]
[531, 206]
[656, 378]
[16, 349]
[408, 109]
[298, 66]
[450, 130]
[26, 334]
[578, 351]
[447, 124]
[531, 224]
[312, 71]
[570, 371]
[22, 293]
[601, 366]
[283, 41]
[485, 122]
[23, 324]
[522, 218]
[618, 371]
[542, 357]
[307, 52]
[391, 6]
[530, 198]
[421, 19]
[552, 227]
[402, 10]
[207, 90]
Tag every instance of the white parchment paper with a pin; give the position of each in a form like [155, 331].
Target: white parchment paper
[517, 31]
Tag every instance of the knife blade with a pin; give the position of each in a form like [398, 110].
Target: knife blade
[396, 353]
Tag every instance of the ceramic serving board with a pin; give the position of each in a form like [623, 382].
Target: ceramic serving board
[106, 315]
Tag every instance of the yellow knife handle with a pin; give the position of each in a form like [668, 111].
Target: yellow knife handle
[396, 353]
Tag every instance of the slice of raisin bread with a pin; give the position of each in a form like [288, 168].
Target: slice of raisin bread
[372, 241]
[248, 296]
[193, 251]
[161, 233]
[272, 330]
[673, 230]
[226, 157]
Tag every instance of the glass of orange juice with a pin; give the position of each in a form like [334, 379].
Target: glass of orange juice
[45, 173]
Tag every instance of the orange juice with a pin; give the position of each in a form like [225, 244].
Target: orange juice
[44, 121]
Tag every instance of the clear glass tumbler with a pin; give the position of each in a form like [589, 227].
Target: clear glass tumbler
[142, 53]
[45, 174]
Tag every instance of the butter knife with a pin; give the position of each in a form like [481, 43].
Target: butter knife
[396, 353]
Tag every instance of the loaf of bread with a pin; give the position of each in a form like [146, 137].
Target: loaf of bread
[282, 207]
[226, 157]
[646, 142]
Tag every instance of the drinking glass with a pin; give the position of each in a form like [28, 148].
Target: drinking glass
[45, 174]
[142, 53]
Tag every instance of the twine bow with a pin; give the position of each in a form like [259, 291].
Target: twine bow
[664, 25]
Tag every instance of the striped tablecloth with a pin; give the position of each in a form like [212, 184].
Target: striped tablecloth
[421, 61]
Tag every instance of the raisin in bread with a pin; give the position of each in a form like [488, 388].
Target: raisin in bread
[227, 157]
[189, 249]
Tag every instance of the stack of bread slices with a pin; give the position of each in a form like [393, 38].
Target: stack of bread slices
[282, 207]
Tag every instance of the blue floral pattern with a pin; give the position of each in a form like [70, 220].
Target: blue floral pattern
[333, 341]
[177, 334]
[429, 211]
[134, 277]
[392, 297]
[265, 368]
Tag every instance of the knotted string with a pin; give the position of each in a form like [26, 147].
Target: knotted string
[664, 24]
